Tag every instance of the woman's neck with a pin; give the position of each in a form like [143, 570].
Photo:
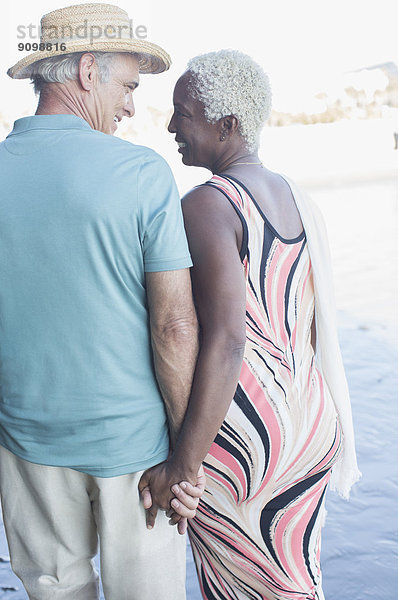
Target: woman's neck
[242, 157]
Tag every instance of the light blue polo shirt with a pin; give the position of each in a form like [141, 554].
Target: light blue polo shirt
[83, 216]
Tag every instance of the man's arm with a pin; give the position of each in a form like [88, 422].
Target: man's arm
[174, 335]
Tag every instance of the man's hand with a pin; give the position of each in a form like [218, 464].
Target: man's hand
[159, 490]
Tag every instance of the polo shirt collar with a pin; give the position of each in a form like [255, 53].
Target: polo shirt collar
[48, 122]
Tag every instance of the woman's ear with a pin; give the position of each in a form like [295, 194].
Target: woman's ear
[228, 126]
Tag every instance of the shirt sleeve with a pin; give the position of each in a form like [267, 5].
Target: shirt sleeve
[163, 239]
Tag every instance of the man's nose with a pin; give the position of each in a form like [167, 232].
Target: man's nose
[129, 107]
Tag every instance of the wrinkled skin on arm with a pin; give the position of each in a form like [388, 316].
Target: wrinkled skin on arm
[174, 336]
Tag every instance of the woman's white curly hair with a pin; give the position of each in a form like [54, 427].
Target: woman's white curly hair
[229, 82]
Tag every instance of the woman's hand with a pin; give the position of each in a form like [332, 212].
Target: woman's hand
[186, 495]
[159, 490]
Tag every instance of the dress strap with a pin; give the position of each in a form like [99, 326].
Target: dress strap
[230, 189]
[237, 200]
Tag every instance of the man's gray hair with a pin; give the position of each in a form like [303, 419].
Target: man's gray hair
[229, 82]
[59, 69]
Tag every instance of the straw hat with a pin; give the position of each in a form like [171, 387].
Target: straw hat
[90, 28]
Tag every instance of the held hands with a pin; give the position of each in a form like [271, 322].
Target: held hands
[186, 495]
[179, 500]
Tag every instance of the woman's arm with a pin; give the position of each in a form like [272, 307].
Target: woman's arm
[214, 232]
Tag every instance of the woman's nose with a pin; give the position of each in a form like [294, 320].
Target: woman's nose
[171, 128]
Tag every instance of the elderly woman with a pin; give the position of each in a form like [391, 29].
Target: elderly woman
[269, 412]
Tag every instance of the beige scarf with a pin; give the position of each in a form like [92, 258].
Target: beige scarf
[328, 355]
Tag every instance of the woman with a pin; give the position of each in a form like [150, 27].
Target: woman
[268, 411]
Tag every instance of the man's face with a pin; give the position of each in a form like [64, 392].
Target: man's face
[113, 100]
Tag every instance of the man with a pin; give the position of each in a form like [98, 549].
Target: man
[96, 322]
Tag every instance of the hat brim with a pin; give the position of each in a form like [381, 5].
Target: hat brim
[152, 58]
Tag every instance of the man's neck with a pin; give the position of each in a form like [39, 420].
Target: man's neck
[54, 110]
[58, 99]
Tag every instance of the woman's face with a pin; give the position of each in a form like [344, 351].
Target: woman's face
[197, 138]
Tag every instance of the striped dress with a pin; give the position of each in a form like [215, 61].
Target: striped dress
[257, 530]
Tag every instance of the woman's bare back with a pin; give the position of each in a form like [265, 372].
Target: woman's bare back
[273, 195]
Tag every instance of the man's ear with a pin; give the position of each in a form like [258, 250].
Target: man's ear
[87, 71]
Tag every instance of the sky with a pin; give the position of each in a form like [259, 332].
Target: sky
[301, 44]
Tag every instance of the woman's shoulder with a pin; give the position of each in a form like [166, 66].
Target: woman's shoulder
[207, 207]
[207, 198]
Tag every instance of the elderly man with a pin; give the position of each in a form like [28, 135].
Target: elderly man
[96, 322]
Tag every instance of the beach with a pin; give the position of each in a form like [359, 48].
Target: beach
[351, 171]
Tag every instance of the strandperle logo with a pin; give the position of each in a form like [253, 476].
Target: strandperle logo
[83, 31]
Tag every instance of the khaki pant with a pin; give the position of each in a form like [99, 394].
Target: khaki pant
[54, 516]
